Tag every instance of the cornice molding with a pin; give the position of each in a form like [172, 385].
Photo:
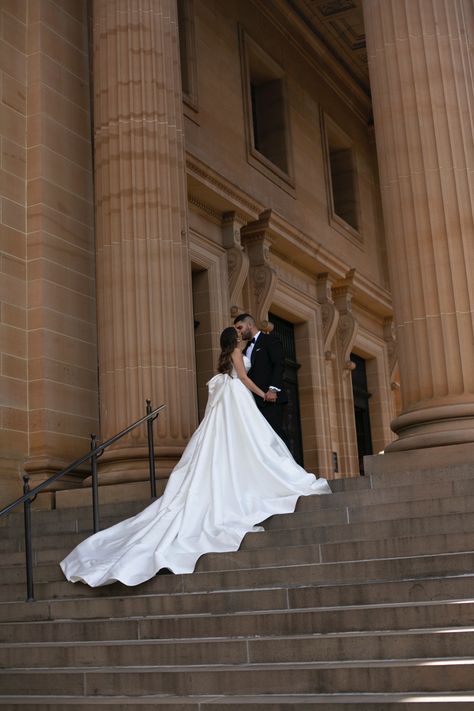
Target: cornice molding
[204, 207]
[236, 199]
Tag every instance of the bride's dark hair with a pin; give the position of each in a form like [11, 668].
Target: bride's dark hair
[228, 344]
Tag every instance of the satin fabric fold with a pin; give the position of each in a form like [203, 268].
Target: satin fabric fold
[234, 473]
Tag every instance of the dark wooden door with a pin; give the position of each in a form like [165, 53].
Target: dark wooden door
[361, 409]
[291, 417]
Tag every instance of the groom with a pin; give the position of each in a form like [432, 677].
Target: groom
[265, 352]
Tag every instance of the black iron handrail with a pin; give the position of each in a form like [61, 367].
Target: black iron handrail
[95, 452]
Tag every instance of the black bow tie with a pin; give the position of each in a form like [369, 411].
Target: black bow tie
[252, 341]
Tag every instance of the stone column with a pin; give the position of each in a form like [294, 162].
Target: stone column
[143, 271]
[421, 74]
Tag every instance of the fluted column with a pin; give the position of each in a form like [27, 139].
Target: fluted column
[143, 272]
[421, 75]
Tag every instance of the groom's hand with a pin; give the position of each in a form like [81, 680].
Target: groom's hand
[271, 396]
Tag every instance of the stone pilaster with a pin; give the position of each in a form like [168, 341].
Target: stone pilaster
[420, 60]
[61, 350]
[143, 272]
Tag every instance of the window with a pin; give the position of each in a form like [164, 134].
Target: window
[187, 52]
[266, 110]
[343, 185]
[342, 179]
[269, 131]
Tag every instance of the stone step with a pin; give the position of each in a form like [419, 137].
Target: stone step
[80, 519]
[272, 702]
[395, 528]
[68, 541]
[288, 555]
[247, 578]
[301, 519]
[278, 598]
[456, 477]
[386, 495]
[317, 677]
[51, 527]
[342, 619]
[429, 476]
[119, 509]
[413, 644]
[332, 552]
[366, 531]
[389, 598]
[372, 512]
[329, 573]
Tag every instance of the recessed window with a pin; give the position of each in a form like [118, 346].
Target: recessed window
[268, 120]
[343, 184]
[187, 51]
[266, 112]
[342, 180]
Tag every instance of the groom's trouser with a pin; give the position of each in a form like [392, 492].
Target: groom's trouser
[273, 413]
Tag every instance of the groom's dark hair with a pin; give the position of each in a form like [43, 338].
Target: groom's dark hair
[244, 317]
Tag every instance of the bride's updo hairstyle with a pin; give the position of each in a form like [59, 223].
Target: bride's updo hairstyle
[228, 345]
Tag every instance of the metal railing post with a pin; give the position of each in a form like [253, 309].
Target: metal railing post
[28, 548]
[95, 452]
[151, 450]
[95, 485]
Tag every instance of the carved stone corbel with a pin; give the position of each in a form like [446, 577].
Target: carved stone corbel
[237, 259]
[329, 313]
[390, 338]
[262, 276]
[347, 326]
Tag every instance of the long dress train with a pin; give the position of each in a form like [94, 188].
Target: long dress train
[234, 473]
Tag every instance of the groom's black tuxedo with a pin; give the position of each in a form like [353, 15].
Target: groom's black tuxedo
[267, 365]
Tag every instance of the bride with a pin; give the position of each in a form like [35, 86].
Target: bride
[234, 473]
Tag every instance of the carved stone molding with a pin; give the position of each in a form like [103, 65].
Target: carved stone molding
[262, 275]
[200, 204]
[329, 313]
[347, 326]
[204, 176]
[237, 259]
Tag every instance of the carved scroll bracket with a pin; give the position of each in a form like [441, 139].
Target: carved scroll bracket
[237, 259]
[329, 313]
[347, 326]
[262, 275]
[390, 338]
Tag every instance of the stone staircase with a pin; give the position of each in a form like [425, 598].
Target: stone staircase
[359, 600]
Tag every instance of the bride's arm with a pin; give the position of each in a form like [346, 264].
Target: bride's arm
[238, 361]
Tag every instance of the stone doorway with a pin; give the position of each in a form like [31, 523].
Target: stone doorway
[292, 421]
[202, 334]
[361, 409]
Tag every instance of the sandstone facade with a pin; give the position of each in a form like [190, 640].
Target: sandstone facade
[167, 164]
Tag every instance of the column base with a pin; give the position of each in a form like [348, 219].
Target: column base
[11, 483]
[438, 426]
[415, 460]
[131, 464]
[41, 468]
[117, 493]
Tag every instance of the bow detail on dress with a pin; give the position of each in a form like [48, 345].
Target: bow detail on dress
[216, 388]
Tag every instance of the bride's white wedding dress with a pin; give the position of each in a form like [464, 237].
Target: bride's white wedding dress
[234, 473]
